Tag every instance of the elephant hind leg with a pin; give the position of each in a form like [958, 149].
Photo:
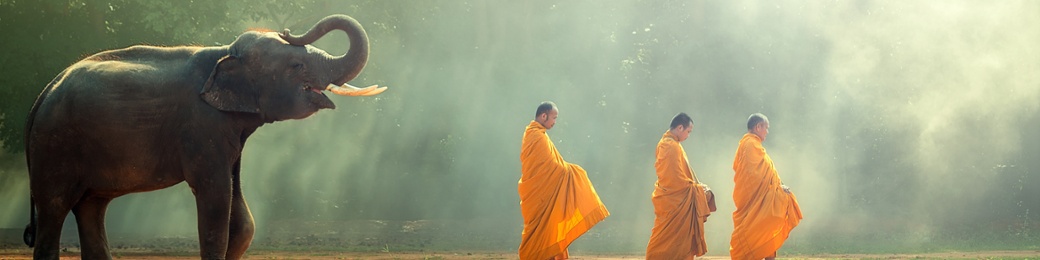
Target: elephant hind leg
[90, 218]
[50, 217]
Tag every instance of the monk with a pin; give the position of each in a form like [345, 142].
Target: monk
[680, 203]
[766, 208]
[557, 200]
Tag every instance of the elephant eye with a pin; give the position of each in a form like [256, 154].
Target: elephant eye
[297, 66]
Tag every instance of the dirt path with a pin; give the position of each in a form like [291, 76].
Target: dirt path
[323, 255]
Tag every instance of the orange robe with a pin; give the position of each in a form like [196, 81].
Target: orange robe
[765, 213]
[557, 200]
[680, 206]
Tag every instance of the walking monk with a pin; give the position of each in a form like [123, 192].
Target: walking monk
[557, 200]
[680, 202]
[766, 208]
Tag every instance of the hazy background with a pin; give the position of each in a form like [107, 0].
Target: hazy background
[900, 126]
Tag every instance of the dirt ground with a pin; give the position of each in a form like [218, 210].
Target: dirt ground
[26, 254]
[378, 239]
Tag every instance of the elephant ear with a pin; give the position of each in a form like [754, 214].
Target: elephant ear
[228, 88]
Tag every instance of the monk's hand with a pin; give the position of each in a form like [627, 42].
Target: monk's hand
[786, 189]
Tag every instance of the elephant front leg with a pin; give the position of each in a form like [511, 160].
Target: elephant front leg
[214, 212]
[241, 226]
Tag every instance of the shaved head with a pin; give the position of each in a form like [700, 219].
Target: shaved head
[546, 114]
[681, 125]
[758, 124]
[681, 119]
[755, 119]
[545, 107]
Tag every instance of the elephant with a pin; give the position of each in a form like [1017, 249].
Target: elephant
[145, 118]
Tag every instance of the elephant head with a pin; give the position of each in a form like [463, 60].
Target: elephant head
[281, 76]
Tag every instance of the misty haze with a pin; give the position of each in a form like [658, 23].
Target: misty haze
[903, 127]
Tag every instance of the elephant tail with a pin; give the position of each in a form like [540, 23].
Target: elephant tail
[29, 236]
[30, 230]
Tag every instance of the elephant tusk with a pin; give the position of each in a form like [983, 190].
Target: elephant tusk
[348, 90]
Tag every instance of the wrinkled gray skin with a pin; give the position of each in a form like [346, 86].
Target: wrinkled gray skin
[145, 118]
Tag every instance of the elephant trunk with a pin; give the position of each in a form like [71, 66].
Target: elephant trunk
[356, 57]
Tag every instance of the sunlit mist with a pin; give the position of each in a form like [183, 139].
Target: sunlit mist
[899, 125]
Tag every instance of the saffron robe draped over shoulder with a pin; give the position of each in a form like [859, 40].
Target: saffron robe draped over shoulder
[557, 199]
[680, 206]
[765, 213]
